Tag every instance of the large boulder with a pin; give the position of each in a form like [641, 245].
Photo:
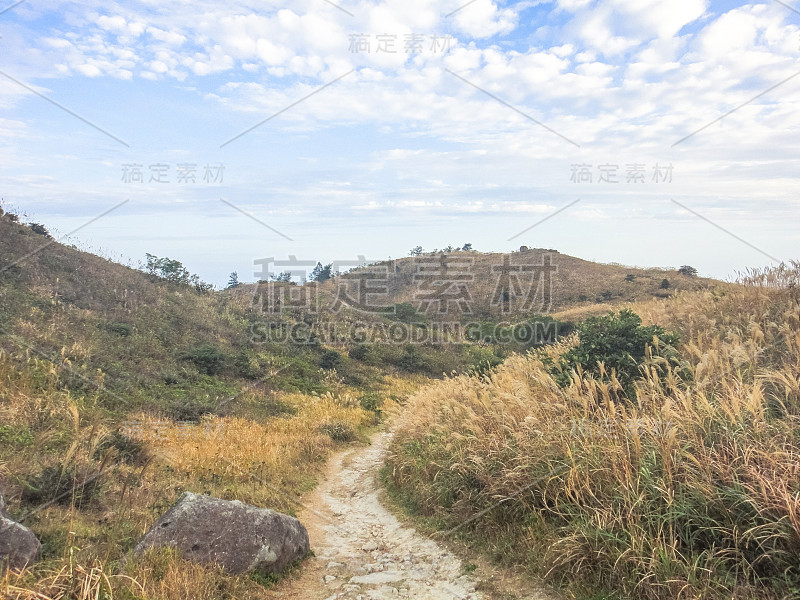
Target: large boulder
[239, 537]
[19, 548]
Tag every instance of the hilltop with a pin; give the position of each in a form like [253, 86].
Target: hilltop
[571, 281]
[467, 287]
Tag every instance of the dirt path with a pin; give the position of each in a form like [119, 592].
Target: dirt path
[362, 552]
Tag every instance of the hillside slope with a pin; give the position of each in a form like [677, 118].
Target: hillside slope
[119, 390]
[511, 286]
[683, 483]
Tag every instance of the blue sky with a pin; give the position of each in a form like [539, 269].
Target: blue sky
[475, 140]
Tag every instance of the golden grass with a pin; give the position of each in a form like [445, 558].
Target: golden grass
[278, 451]
[267, 463]
[690, 491]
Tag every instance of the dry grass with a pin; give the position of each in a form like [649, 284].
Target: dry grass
[691, 491]
[576, 282]
[268, 463]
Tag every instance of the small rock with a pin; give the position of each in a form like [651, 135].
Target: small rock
[370, 546]
[329, 578]
[19, 548]
[335, 565]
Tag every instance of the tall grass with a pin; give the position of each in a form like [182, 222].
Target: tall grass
[45, 429]
[691, 490]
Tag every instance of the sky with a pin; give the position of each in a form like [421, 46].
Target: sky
[640, 132]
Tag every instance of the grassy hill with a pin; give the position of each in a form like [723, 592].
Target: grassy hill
[120, 389]
[574, 281]
[620, 470]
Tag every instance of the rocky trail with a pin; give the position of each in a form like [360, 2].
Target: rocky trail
[362, 551]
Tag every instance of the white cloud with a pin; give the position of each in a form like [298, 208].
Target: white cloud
[484, 18]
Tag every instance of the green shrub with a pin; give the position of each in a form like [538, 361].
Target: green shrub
[405, 313]
[247, 364]
[13, 436]
[330, 359]
[411, 359]
[121, 329]
[371, 401]
[619, 342]
[191, 411]
[362, 352]
[480, 360]
[207, 358]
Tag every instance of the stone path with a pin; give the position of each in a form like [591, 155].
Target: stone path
[368, 553]
[362, 552]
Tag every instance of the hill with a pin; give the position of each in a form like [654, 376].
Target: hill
[499, 299]
[514, 285]
[121, 389]
[635, 460]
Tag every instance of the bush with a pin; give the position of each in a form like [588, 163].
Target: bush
[191, 410]
[618, 342]
[405, 313]
[121, 329]
[61, 484]
[688, 271]
[371, 401]
[664, 285]
[411, 359]
[173, 271]
[40, 229]
[330, 359]
[16, 436]
[207, 358]
[361, 352]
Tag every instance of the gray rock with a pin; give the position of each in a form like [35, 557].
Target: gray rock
[19, 548]
[239, 537]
